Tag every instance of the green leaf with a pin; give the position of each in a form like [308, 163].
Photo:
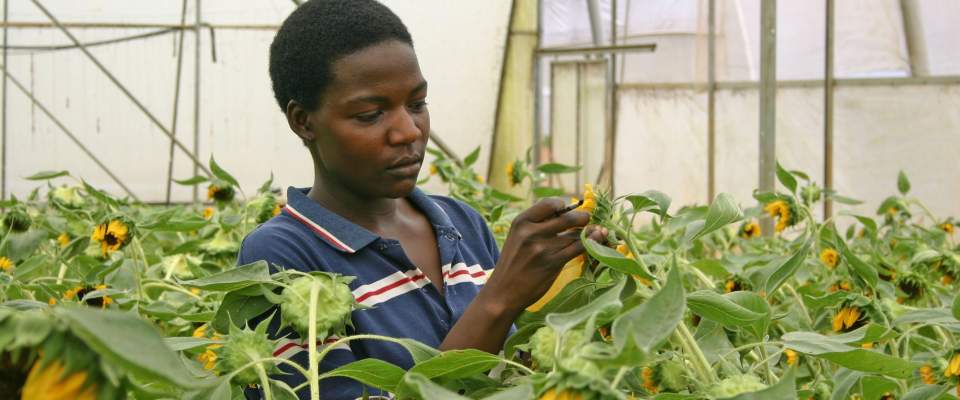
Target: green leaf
[834, 350]
[786, 270]
[238, 308]
[192, 181]
[180, 343]
[956, 307]
[45, 175]
[711, 267]
[541, 192]
[100, 196]
[370, 371]
[925, 392]
[651, 200]
[555, 168]
[757, 304]
[472, 157]
[650, 323]
[722, 211]
[221, 174]
[903, 184]
[129, 342]
[786, 179]
[785, 389]
[844, 200]
[418, 351]
[265, 187]
[21, 245]
[614, 259]
[429, 390]
[233, 279]
[455, 364]
[521, 392]
[860, 268]
[562, 322]
[713, 306]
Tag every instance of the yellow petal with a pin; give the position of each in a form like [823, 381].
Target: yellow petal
[571, 271]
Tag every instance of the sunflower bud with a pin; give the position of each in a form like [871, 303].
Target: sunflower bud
[262, 207]
[735, 385]
[544, 341]
[67, 197]
[17, 220]
[220, 192]
[334, 304]
[243, 348]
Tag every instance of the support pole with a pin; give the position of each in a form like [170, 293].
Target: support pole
[119, 85]
[196, 95]
[3, 117]
[610, 161]
[828, 84]
[596, 30]
[176, 101]
[63, 128]
[711, 100]
[768, 102]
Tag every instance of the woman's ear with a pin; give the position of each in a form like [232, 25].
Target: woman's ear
[298, 118]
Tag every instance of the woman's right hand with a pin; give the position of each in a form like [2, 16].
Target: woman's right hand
[537, 247]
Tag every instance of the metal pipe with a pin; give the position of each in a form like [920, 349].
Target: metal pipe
[610, 161]
[176, 102]
[119, 85]
[711, 99]
[435, 138]
[63, 128]
[196, 93]
[768, 103]
[596, 31]
[3, 118]
[537, 91]
[828, 84]
[626, 48]
[95, 43]
[122, 25]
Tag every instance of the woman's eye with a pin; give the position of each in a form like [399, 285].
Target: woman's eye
[419, 106]
[368, 116]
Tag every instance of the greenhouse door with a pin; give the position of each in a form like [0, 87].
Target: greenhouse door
[578, 120]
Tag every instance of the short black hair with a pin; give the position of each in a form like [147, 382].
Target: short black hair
[318, 33]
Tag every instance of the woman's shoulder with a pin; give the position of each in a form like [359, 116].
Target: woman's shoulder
[278, 241]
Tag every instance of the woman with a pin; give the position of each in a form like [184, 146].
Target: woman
[347, 78]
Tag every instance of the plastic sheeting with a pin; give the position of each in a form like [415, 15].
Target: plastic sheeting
[878, 131]
[240, 122]
[870, 40]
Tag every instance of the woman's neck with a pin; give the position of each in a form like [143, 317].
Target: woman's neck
[370, 213]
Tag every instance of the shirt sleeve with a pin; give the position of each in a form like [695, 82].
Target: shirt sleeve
[276, 250]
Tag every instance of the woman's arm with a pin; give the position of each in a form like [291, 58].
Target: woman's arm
[537, 247]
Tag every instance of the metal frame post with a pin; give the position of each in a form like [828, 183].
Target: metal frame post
[119, 85]
[711, 99]
[63, 128]
[196, 95]
[828, 85]
[768, 102]
[3, 117]
[176, 100]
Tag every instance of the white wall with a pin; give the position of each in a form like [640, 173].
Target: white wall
[460, 46]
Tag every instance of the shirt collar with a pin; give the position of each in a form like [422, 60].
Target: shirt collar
[348, 237]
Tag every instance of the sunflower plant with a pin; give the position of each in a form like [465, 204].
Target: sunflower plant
[102, 297]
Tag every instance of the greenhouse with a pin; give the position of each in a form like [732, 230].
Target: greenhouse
[598, 199]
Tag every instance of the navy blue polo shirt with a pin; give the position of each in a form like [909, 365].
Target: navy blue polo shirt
[404, 303]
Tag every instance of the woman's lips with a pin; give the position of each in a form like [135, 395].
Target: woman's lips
[405, 170]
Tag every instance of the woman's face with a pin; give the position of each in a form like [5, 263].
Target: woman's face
[372, 125]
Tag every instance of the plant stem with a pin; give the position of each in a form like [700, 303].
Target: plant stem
[771, 379]
[696, 354]
[620, 374]
[262, 373]
[314, 378]
[793, 292]
[171, 287]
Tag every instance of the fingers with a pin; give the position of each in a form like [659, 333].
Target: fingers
[542, 211]
[567, 253]
[570, 220]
